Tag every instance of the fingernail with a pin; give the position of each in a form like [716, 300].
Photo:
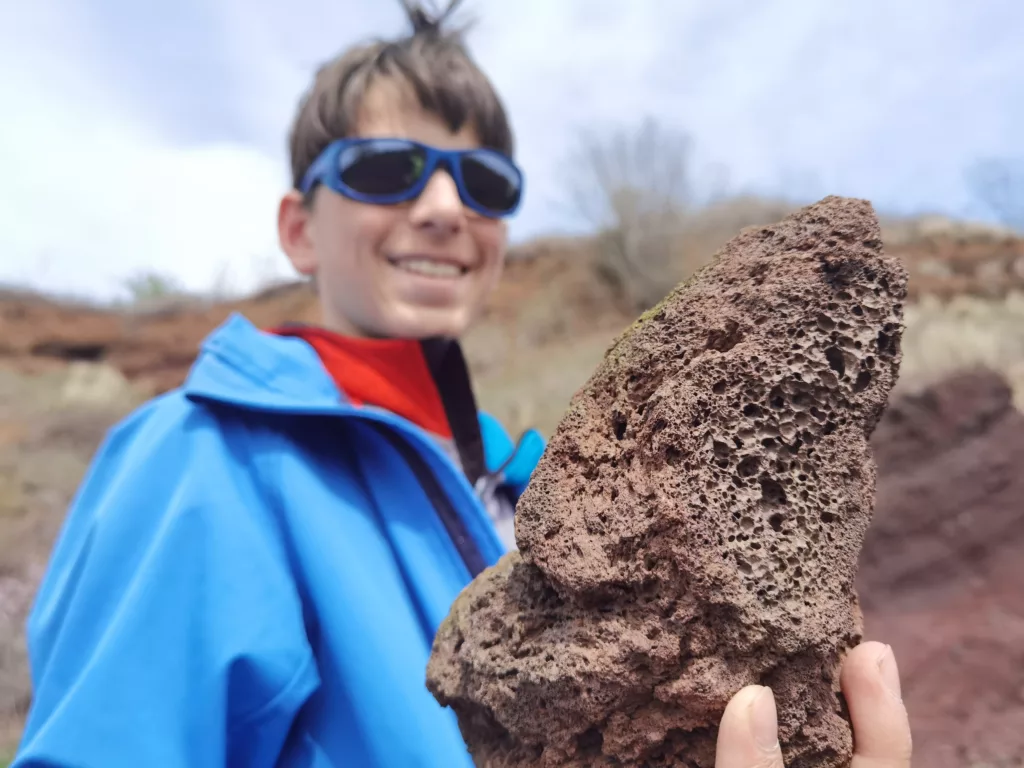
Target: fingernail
[764, 720]
[890, 672]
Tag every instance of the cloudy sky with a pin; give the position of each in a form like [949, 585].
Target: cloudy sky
[149, 136]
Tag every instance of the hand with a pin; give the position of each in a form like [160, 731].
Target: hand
[748, 733]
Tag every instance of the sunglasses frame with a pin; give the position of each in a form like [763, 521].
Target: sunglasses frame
[325, 170]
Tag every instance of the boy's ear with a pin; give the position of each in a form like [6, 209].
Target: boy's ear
[294, 219]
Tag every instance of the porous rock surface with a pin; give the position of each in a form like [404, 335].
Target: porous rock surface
[695, 523]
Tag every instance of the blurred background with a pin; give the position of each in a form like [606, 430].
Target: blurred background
[143, 155]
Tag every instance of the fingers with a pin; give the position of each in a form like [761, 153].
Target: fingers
[748, 734]
[881, 730]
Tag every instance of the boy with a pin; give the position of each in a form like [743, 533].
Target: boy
[256, 564]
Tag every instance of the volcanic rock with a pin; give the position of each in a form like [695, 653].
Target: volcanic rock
[695, 523]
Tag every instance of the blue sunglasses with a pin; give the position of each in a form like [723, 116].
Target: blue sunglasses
[389, 171]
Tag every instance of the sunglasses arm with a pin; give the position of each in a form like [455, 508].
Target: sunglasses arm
[320, 168]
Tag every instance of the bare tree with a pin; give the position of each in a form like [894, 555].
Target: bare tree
[999, 185]
[633, 185]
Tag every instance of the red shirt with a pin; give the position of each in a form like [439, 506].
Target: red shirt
[388, 373]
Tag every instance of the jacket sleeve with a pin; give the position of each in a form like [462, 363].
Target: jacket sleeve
[168, 631]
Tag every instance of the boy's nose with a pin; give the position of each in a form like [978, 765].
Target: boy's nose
[439, 208]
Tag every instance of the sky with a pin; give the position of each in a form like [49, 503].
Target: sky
[150, 137]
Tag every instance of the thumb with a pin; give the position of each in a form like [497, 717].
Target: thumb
[881, 729]
[748, 736]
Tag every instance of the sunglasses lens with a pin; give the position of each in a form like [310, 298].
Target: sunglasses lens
[492, 181]
[382, 168]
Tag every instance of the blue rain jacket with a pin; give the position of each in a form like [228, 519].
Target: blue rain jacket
[252, 574]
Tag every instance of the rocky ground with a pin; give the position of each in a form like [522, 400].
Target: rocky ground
[940, 578]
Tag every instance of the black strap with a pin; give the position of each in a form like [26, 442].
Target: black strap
[456, 528]
[448, 366]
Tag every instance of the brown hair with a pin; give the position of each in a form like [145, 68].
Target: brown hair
[433, 61]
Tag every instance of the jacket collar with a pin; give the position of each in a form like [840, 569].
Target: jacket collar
[240, 365]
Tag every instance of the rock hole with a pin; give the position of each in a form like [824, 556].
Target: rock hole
[826, 323]
[828, 517]
[858, 310]
[836, 361]
[724, 339]
[721, 449]
[885, 343]
[775, 521]
[619, 425]
[748, 466]
[673, 456]
[752, 411]
[772, 491]
[590, 742]
[719, 388]
[802, 401]
[863, 381]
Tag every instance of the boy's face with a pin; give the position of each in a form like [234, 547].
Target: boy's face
[414, 270]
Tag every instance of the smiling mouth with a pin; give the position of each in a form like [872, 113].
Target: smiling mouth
[429, 267]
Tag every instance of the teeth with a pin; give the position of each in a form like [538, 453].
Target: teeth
[429, 268]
